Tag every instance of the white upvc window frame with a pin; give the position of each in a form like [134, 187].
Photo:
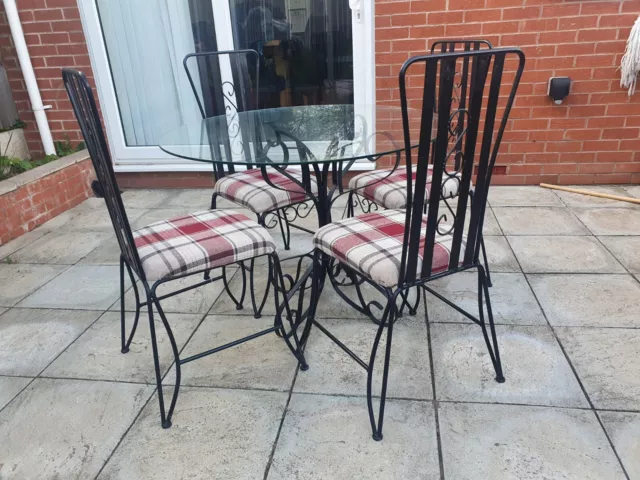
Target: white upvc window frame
[152, 158]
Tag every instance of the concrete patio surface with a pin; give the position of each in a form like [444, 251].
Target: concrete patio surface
[566, 298]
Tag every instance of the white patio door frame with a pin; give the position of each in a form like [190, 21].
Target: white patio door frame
[152, 158]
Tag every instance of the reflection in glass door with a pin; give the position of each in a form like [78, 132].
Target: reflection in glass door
[306, 57]
[305, 47]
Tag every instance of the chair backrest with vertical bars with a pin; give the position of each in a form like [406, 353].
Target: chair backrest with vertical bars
[460, 86]
[86, 112]
[438, 148]
[218, 96]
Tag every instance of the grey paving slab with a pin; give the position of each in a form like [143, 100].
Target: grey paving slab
[512, 301]
[536, 371]
[198, 300]
[79, 287]
[216, 434]
[523, 197]
[501, 258]
[96, 354]
[10, 387]
[87, 217]
[61, 247]
[332, 371]
[2, 310]
[31, 338]
[538, 254]
[22, 241]
[146, 198]
[624, 431]
[610, 221]
[625, 249]
[632, 190]
[588, 201]
[107, 253]
[326, 437]
[66, 429]
[195, 199]
[607, 361]
[263, 363]
[527, 443]
[18, 281]
[589, 300]
[158, 214]
[539, 221]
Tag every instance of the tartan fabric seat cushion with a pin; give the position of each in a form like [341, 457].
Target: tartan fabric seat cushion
[372, 245]
[390, 190]
[251, 190]
[198, 242]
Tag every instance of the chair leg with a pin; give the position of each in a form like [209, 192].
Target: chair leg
[296, 346]
[165, 416]
[285, 229]
[492, 344]
[214, 197]
[164, 421]
[413, 309]
[316, 291]
[126, 342]
[486, 261]
[388, 320]
[225, 283]
[350, 206]
[257, 310]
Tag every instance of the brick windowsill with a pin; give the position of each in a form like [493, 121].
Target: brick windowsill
[34, 197]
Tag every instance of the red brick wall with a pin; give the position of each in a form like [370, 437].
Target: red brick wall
[30, 205]
[594, 136]
[54, 36]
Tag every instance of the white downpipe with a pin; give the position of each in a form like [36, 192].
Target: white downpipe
[29, 77]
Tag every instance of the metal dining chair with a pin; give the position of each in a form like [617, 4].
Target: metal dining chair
[171, 249]
[240, 93]
[394, 250]
[387, 187]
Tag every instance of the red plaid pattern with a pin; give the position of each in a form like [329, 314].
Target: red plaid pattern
[372, 245]
[250, 189]
[391, 192]
[198, 242]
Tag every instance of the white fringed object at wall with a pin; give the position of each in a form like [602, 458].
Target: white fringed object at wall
[630, 64]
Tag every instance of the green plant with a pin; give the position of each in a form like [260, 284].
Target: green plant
[8, 261]
[12, 166]
[65, 147]
[17, 124]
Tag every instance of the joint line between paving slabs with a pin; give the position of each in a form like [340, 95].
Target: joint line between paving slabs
[284, 414]
[435, 403]
[573, 369]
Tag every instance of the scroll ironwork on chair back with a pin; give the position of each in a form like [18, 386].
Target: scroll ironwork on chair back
[86, 112]
[478, 144]
[217, 96]
[462, 83]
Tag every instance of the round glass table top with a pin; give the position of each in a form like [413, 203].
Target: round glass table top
[290, 135]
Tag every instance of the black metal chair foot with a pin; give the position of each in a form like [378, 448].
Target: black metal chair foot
[239, 307]
[124, 350]
[377, 437]
[304, 367]
[166, 423]
[500, 379]
[412, 312]
[257, 315]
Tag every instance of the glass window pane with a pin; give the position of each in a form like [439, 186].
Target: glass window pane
[146, 42]
[305, 47]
